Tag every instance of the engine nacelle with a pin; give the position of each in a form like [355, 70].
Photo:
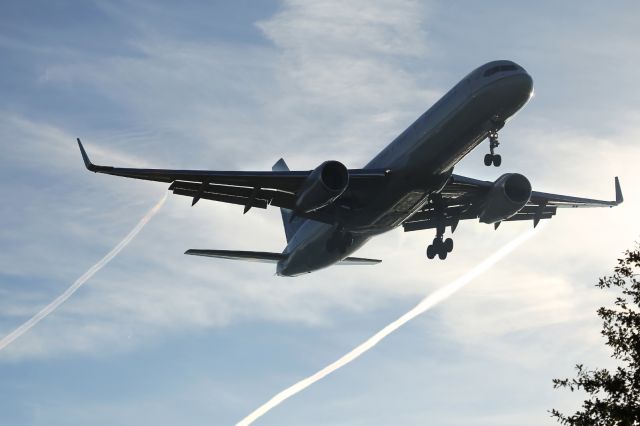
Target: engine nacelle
[323, 186]
[508, 195]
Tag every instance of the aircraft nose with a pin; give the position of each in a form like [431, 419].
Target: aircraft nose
[518, 86]
[525, 82]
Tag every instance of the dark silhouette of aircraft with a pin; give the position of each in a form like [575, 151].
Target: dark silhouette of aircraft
[331, 211]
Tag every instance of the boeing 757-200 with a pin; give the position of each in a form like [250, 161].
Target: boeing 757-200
[331, 211]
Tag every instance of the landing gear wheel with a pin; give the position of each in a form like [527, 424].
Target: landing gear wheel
[431, 252]
[448, 245]
[442, 254]
[439, 246]
[494, 159]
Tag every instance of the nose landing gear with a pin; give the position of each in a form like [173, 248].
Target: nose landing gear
[493, 158]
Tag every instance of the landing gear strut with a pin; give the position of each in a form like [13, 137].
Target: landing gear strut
[492, 158]
[439, 246]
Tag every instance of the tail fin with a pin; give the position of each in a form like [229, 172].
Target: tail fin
[291, 223]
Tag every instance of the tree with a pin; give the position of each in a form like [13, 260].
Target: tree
[613, 396]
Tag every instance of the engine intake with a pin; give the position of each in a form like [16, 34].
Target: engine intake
[508, 195]
[323, 186]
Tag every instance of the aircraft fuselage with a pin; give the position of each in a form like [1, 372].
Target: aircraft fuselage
[421, 159]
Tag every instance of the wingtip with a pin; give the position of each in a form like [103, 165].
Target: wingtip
[87, 163]
[619, 197]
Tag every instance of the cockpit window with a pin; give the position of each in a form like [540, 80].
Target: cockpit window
[499, 68]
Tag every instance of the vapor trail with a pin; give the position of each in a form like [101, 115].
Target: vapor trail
[26, 326]
[426, 304]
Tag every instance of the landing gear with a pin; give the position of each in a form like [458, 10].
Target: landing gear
[493, 158]
[431, 251]
[448, 245]
[440, 248]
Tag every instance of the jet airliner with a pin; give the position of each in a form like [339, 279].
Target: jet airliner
[331, 211]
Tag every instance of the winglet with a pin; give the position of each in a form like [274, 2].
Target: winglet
[619, 197]
[88, 164]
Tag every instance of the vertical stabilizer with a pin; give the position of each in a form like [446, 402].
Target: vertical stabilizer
[290, 226]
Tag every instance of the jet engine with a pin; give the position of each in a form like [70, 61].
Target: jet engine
[508, 195]
[323, 186]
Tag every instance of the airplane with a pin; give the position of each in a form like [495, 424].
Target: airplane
[331, 211]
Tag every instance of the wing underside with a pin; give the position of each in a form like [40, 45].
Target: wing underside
[258, 189]
[463, 198]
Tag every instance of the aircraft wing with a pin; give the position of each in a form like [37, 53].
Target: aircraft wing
[249, 189]
[463, 197]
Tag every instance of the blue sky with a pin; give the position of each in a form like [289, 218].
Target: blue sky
[159, 337]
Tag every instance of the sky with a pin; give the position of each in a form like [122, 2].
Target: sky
[156, 337]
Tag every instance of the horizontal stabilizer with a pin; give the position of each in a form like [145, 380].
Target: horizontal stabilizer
[253, 256]
[359, 261]
[268, 257]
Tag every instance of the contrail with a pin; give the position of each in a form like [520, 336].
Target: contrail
[9, 338]
[426, 304]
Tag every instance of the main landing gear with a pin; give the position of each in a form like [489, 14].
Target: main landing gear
[492, 158]
[439, 247]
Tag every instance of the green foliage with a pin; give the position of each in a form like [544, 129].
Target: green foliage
[613, 397]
